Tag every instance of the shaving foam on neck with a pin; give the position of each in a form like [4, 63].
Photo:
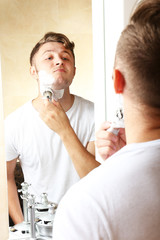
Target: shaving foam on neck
[46, 82]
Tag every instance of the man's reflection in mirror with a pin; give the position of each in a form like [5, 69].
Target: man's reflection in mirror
[51, 136]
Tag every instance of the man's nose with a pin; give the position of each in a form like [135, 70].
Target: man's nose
[59, 61]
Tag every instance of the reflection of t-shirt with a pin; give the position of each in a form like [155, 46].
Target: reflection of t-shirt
[120, 200]
[44, 159]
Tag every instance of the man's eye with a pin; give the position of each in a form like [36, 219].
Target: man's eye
[64, 58]
[48, 58]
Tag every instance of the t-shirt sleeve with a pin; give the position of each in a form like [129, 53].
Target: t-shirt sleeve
[92, 123]
[10, 145]
[92, 137]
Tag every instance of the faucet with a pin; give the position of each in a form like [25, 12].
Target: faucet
[31, 209]
[24, 196]
[28, 208]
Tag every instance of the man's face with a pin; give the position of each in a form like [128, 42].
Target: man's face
[58, 61]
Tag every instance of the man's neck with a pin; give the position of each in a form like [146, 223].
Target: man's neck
[66, 101]
[141, 124]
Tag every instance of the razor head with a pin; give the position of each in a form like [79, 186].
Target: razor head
[48, 94]
[119, 113]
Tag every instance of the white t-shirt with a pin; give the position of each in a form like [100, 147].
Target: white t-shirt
[45, 162]
[120, 200]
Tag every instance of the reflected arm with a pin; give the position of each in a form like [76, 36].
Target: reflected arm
[15, 211]
[82, 158]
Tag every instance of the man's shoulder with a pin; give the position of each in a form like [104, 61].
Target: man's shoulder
[19, 112]
[83, 101]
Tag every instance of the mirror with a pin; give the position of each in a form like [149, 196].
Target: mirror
[22, 24]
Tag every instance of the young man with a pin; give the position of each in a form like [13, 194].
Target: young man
[121, 198]
[54, 140]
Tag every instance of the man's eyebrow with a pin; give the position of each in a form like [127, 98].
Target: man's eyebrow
[47, 51]
[67, 52]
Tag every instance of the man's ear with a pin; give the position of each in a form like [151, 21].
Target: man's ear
[33, 72]
[119, 81]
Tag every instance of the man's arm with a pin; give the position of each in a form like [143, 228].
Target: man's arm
[82, 158]
[56, 119]
[15, 211]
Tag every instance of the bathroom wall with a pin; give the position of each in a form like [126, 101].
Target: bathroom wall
[22, 24]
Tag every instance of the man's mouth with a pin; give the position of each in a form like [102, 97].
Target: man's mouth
[59, 70]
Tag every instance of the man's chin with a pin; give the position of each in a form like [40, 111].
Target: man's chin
[60, 84]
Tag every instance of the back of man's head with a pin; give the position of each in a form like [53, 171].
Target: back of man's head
[138, 54]
[147, 11]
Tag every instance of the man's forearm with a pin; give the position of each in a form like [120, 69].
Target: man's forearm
[83, 160]
[15, 211]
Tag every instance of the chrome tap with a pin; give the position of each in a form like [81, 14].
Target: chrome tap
[24, 196]
[31, 209]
